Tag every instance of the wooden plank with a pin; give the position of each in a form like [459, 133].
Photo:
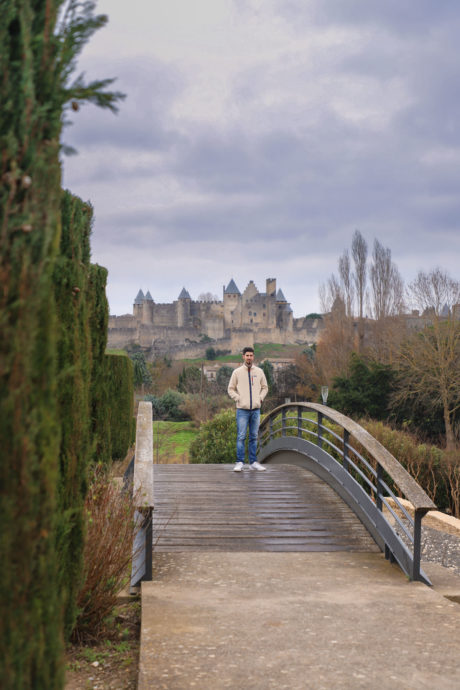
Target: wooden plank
[286, 508]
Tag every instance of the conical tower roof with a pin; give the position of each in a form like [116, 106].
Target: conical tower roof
[140, 297]
[231, 288]
[280, 297]
[184, 294]
[148, 296]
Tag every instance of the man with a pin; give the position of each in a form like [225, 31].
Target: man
[248, 387]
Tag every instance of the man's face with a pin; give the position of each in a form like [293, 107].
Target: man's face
[248, 358]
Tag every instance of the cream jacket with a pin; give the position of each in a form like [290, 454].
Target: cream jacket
[248, 387]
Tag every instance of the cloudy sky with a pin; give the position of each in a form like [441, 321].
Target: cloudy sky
[257, 135]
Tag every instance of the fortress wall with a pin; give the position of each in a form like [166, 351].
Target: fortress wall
[165, 315]
[186, 350]
[125, 321]
[118, 338]
[241, 337]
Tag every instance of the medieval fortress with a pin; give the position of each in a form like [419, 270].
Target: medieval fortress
[185, 327]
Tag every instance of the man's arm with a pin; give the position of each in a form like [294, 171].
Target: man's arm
[232, 389]
[263, 386]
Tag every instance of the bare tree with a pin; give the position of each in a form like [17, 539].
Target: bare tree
[346, 279]
[387, 284]
[359, 254]
[330, 293]
[207, 297]
[430, 358]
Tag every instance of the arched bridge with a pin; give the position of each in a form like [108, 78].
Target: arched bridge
[329, 486]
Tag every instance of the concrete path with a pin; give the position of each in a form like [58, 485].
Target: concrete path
[296, 621]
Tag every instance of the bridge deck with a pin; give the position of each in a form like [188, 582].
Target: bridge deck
[286, 508]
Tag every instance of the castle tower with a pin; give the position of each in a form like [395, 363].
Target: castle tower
[232, 306]
[138, 306]
[270, 286]
[283, 312]
[147, 308]
[183, 308]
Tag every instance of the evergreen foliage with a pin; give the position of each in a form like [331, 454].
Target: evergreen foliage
[365, 391]
[168, 405]
[142, 375]
[71, 284]
[100, 402]
[216, 440]
[120, 394]
[37, 58]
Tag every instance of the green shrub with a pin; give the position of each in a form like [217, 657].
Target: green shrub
[120, 394]
[71, 282]
[100, 401]
[430, 466]
[216, 440]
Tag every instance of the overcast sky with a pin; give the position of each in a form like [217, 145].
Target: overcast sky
[257, 135]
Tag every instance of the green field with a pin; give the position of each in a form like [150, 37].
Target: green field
[171, 441]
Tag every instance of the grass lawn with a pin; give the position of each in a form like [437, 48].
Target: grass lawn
[171, 441]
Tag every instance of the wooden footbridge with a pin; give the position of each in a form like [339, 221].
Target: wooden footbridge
[271, 579]
[330, 486]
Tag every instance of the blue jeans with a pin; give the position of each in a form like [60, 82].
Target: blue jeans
[245, 418]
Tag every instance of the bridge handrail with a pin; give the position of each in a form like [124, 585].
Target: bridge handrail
[405, 482]
[379, 492]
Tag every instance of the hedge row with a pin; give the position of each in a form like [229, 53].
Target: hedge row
[31, 639]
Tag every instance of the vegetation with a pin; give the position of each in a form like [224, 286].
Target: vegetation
[47, 374]
[120, 401]
[216, 440]
[365, 391]
[107, 555]
[172, 441]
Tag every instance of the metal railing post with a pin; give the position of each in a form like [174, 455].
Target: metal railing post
[270, 428]
[299, 421]
[283, 422]
[346, 441]
[417, 544]
[320, 430]
[379, 487]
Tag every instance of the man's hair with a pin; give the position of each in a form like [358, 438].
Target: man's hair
[248, 349]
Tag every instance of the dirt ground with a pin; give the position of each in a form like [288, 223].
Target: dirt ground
[112, 662]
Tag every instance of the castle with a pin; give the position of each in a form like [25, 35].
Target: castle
[185, 327]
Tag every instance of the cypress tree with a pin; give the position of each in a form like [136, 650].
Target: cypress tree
[100, 402]
[37, 57]
[71, 283]
[120, 387]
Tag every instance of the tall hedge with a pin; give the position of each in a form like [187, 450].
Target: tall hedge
[41, 366]
[120, 391]
[100, 408]
[30, 621]
[74, 346]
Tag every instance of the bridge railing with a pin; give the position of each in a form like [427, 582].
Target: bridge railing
[359, 468]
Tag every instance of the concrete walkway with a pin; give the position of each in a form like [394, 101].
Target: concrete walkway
[296, 621]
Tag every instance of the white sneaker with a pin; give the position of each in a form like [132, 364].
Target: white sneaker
[257, 466]
[238, 467]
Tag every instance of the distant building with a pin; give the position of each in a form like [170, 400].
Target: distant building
[240, 319]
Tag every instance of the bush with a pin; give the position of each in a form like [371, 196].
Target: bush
[216, 440]
[167, 406]
[210, 354]
[120, 394]
[366, 391]
[436, 470]
[109, 515]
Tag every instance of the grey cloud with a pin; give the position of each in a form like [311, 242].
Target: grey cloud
[401, 17]
[143, 121]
